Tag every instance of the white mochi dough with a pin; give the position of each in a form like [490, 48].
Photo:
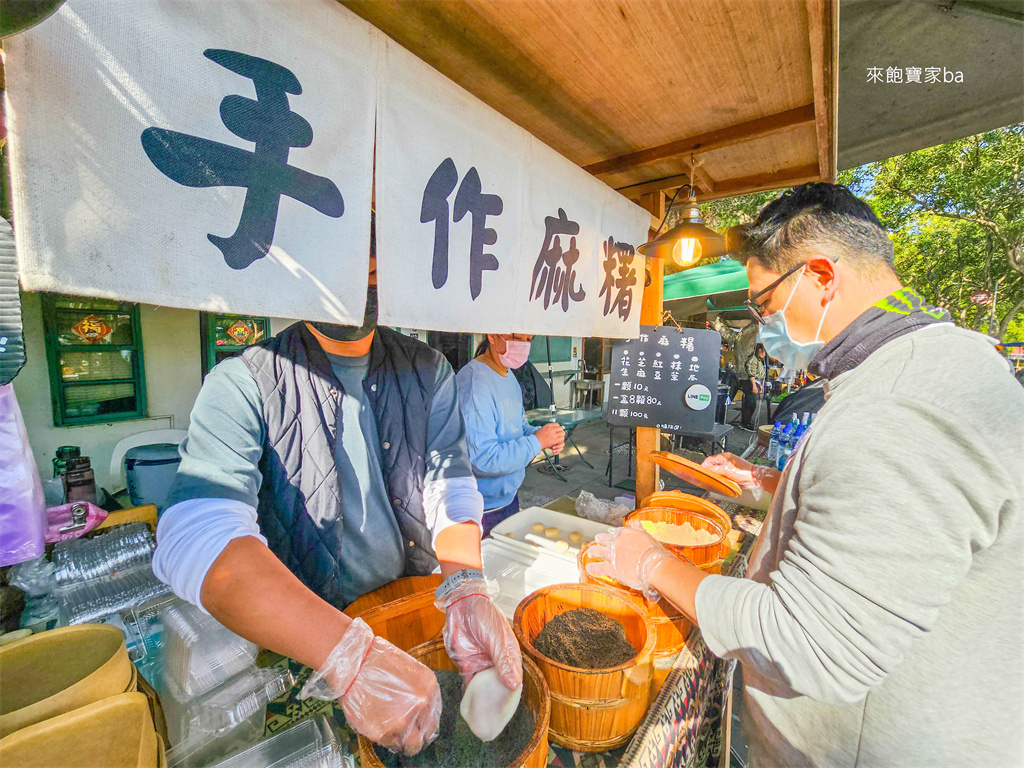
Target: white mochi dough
[487, 706]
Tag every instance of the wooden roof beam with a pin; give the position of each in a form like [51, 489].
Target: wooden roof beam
[636, 191]
[700, 179]
[823, 23]
[706, 142]
[787, 177]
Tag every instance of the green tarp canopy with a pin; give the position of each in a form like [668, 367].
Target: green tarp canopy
[687, 293]
[722, 276]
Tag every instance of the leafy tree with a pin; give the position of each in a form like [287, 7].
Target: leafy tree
[955, 213]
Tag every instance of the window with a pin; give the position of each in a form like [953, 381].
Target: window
[561, 349]
[225, 335]
[94, 353]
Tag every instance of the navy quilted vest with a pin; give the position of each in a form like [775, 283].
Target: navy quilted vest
[300, 505]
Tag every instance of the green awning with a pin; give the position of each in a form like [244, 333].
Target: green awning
[722, 276]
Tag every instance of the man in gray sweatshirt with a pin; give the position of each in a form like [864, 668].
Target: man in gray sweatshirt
[881, 622]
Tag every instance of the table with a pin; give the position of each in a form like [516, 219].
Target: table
[569, 419]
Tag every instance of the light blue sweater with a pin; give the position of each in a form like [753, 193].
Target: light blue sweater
[500, 441]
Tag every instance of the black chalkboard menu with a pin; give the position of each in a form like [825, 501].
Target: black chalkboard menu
[667, 378]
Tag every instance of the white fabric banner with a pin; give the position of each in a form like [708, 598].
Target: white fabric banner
[144, 169]
[481, 227]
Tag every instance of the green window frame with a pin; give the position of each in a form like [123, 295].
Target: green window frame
[217, 344]
[99, 381]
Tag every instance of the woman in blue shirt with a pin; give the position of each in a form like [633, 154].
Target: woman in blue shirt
[501, 443]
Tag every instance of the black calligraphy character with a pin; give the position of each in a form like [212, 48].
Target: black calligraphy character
[267, 121]
[618, 255]
[435, 208]
[555, 270]
[470, 199]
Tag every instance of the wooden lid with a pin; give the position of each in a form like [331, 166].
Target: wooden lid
[695, 474]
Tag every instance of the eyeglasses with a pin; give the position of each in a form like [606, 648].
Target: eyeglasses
[757, 308]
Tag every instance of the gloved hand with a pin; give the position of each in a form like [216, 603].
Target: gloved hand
[386, 695]
[629, 556]
[743, 473]
[478, 636]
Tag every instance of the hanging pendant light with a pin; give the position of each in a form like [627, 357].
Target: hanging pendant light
[688, 242]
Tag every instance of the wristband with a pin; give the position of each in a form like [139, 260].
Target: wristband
[449, 585]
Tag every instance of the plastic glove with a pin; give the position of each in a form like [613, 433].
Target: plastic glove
[743, 473]
[629, 556]
[386, 695]
[478, 636]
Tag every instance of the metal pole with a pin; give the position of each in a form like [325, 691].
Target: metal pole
[551, 377]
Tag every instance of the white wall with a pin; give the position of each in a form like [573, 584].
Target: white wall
[171, 352]
[170, 349]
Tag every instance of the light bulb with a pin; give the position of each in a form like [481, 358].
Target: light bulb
[686, 251]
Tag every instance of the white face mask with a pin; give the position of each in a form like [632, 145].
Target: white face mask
[774, 336]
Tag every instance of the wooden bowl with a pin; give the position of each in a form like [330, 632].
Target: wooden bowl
[592, 710]
[402, 612]
[700, 554]
[690, 503]
[535, 692]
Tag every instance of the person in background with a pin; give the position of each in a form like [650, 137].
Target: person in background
[881, 618]
[320, 465]
[756, 371]
[808, 398]
[501, 442]
[741, 342]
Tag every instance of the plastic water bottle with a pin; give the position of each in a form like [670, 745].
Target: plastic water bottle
[787, 443]
[773, 443]
[785, 450]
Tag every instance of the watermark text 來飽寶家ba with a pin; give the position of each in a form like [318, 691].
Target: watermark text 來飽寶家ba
[925, 75]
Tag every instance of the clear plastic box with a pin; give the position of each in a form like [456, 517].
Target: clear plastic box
[145, 626]
[229, 718]
[80, 560]
[308, 744]
[100, 597]
[200, 652]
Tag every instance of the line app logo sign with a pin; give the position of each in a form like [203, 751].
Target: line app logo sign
[697, 397]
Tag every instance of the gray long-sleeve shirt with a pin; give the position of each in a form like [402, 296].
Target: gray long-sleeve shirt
[882, 620]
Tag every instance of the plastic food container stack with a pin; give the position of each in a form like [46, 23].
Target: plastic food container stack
[98, 598]
[79, 560]
[225, 720]
[200, 652]
[309, 744]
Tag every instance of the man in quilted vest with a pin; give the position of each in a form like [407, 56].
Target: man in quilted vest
[319, 465]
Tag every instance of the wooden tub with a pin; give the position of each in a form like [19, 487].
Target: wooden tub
[592, 710]
[535, 691]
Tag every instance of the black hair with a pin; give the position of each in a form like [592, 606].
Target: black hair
[827, 217]
[482, 347]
